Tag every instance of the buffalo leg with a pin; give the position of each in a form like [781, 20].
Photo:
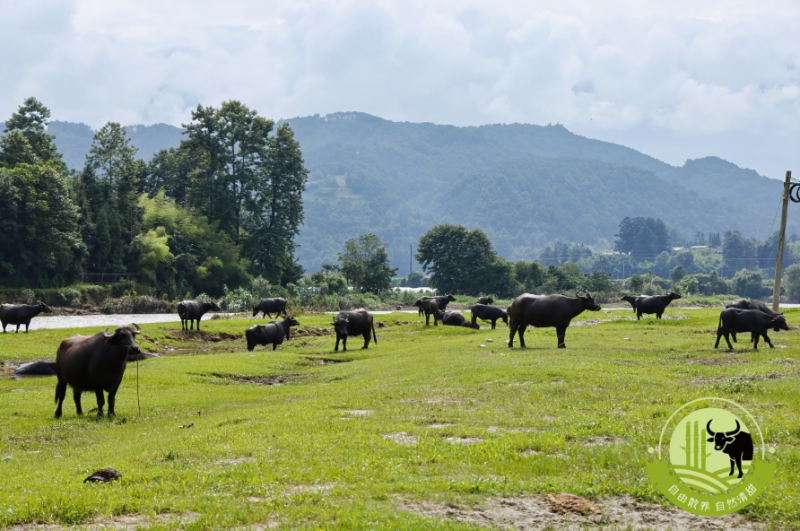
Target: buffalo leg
[336, 348]
[17, 329]
[638, 315]
[560, 333]
[76, 396]
[366, 340]
[733, 464]
[344, 344]
[739, 464]
[101, 401]
[512, 330]
[274, 346]
[112, 399]
[522, 336]
[198, 324]
[755, 341]
[766, 338]
[61, 393]
[494, 322]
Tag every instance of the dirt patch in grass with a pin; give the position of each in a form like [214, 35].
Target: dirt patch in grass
[746, 378]
[299, 489]
[589, 322]
[126, 522]
[328, 361]
[402, 438]
[465, 440]
[602, 441]
[277, 379]
[565, 511]
[312, 331]
[236, 461]
[717, 361]
[199, 335]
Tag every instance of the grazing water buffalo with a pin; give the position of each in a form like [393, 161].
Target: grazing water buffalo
[753, 321]
[270, 306]
[191, 311]
[429, 307]
[488, 313]
[737, 444]
[353, 323]
[655, 304]
[450, 318]
[743, 304]
[546, 310]
[13, 314]
[273, 332]
[485, 300]
[94, 363]
[442, 301]
[633, 300]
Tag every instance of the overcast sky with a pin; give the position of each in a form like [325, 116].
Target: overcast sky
[674, 80]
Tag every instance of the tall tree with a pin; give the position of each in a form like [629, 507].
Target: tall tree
[26, 138]
[365, 264]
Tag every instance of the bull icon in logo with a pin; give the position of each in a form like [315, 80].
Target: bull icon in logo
[738, 445]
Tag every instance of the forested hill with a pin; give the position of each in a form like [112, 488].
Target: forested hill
[526, 185]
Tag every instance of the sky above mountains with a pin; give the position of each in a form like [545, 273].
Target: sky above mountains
[673, 80]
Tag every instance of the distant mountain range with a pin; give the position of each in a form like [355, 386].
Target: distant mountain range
[525, 185]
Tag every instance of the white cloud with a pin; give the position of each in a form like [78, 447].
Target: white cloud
[677, 79]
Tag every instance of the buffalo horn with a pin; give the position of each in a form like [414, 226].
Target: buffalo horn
[577, 294]
[105, 333]
[708, 428]
[734, 432]
[138, 329]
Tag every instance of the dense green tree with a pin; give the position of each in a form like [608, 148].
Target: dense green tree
[529, 275]
[41, 243]
[365, 264]
[747, 283]
[791, 282]
[642, 237]
[677, 273]
[738, 253]
[26, 139]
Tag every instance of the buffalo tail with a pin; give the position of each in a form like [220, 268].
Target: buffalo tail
[374, 337]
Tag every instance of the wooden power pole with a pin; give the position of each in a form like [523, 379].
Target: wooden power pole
[776, 289]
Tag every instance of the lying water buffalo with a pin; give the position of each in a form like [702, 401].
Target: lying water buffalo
[191, 311]
[273, 332]
[429, 307]
[754, 321]
[442, 301]
[485, 300]
[546, 310]
[450, 318]
[655, 304]
[21, 314]
[488, 313]
[470, 324]
[270, 306]
[633, 300]
[353, 323]
[48, 368]
[94, 363]
[743, 304]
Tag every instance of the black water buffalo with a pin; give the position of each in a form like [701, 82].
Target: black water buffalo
[488, 313]
[270, 306]
[450, 318]
[273, 332]
[353, 323]
[470, 324]
[429, 307]
[737, 444]
[191, 311]
[94, 363]
[442, 301]
[743, 304]
[654, 304]
[21, 314]
[754, 321]
[633, 300]
[485, 300]
[546, 310]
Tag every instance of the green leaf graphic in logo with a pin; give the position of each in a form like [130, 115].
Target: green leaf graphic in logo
[711, 450]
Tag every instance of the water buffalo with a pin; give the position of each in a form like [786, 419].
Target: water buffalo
[546, 310]
[353, 323]
[450, 318]
[270, 306]
[191, 311]
[633, 300]
[488, 313]
[655, 304]
[13, 314]
[743, 304]
[94, 363]
[48, 368]
[429, 307]
[273, 332]
[737, 444]
[485, 300]
[442, 301]
[470, 324]
[753, 321]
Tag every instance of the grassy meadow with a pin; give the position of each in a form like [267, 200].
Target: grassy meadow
[306, 438]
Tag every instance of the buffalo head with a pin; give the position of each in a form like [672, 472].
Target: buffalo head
[340, 325]
[588, 301]
[449, 298]
[720, 438]
[672, 295]
[124, 337]
[215, 307]
[779, 323]
[255, 310]
[43, 307]
[291, 321]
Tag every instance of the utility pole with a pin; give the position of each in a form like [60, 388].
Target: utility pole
[776, 289]
[409, 260]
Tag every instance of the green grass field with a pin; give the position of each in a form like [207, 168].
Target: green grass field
[347, 440]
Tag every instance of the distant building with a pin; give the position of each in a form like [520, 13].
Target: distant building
[678, 249]
[698, 247]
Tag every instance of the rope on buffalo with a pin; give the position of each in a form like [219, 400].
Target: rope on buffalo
[138, 405]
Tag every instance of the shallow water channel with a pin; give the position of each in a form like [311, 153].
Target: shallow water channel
[42, 321]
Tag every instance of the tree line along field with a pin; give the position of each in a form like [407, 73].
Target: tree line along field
[424, 424]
